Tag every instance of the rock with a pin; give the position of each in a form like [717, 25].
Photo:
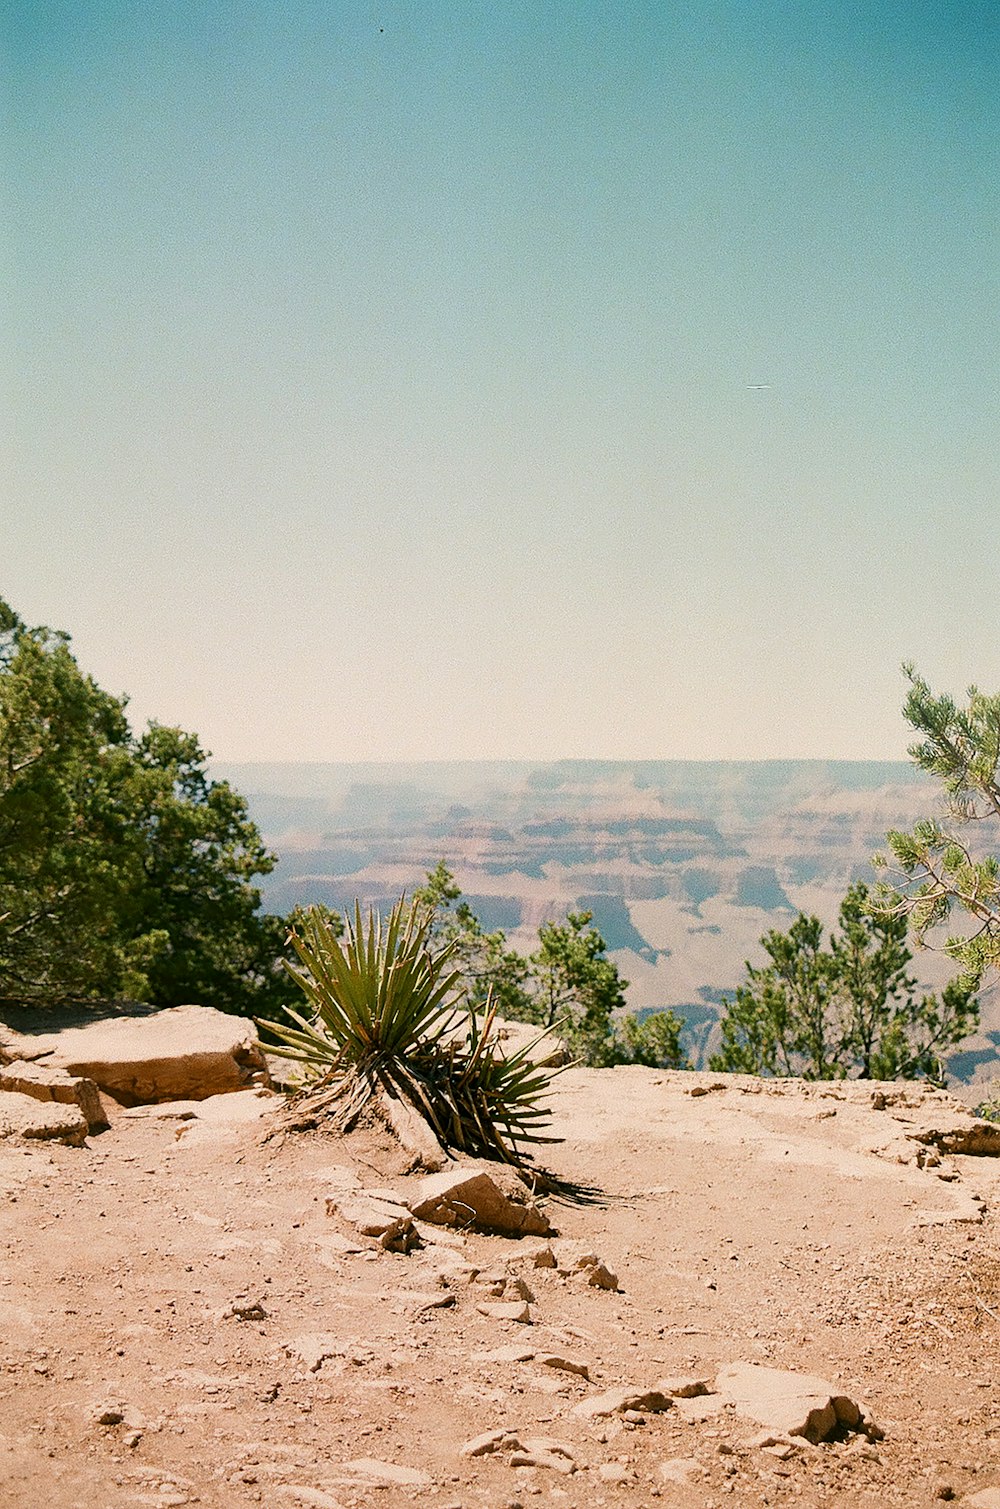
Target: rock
[167, 1110]
[563, 1364]
[599, 1276]
[776, 1441]
[376, 1213]
[513, 1310]
[184, 1052]
[614, 1472]
[23, 1116]
[508, 1354]
[306, 1497]
[986, 1498]
[489, 1442]
[547, 1452]
[44, 1082]
[495, 1200]
[312, 1349]
[414, 1135]
[330, 1249]
[516, 1288]
[388, 1473]
[687, 1387]
[680, 1470]
[577, 1262]
[543, 1257]
[109, 1414]
[245, 1309]
[617, 1400]
[793, 1404]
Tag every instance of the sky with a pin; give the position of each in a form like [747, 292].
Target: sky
[435, 379]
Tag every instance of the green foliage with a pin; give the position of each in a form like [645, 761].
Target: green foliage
[654, 1041]
[385, 1016]
[568, 984]
[850, 1010]
[939, 874]
[989, 1109]
[490, 970]
[124, 871]
[577, 988]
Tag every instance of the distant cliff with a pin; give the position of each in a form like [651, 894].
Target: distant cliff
[684, 864]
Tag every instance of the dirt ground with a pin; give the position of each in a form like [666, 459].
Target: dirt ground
[182, 1279]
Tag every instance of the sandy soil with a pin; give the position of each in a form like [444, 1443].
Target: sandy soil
[741, 1226]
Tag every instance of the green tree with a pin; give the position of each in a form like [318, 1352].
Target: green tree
[577, 988]
[124, 870]
[654, 1040]
[569, 984]
[489, 969]
[942, 869]
[848, 1011]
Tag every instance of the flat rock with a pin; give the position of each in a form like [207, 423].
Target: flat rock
[374, 1471]
[791, 1404]
[493, 1199]
[546, 1452]
[986, 1498]
[23, 1116]
[681, 1470]
[183, 1053]
[563, 1364]
[617, 1400]
[45, 1082]
[517, 1310]
[491, 1441]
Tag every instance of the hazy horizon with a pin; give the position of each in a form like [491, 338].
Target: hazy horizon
[403, 382]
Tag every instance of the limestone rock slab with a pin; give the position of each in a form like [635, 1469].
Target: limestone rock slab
[469, 1195]
[44, 1120]
[182, 1053]
[793, 1404]
[45, 1082]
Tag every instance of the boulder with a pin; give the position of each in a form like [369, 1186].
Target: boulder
[45, 1120]
[44, 1082]
[792, 1404]
[183, 1053]
[493, 1199]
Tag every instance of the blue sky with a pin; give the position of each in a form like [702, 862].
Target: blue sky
[383, 375]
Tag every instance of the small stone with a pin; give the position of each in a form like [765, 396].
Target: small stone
[389, 1473]
[563, 1364]
[543, 1257]
[517, 1311]
[617, 1400]
[944, 1491]
[245, 1309]
[600, 1276]
[109, 1414]
[516, 1288]
[489, 1442]
[680, 1470]
[547, 1452]
[614, 1472]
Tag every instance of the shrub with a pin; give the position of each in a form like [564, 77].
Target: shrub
[387, 1018]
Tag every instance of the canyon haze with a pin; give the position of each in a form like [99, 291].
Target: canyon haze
[683, 864]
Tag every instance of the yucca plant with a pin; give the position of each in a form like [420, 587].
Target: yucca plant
[387, 1018]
